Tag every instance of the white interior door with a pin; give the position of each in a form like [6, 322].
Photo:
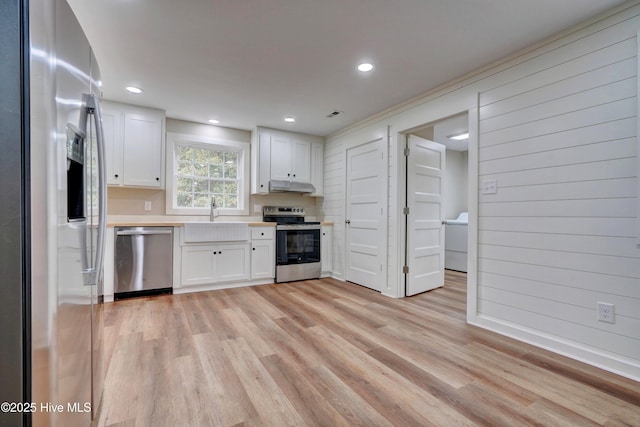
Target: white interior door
[365, 198]
[425, 232]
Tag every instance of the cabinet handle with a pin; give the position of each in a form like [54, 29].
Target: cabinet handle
[215, 253]
[288, 174]
[324, 234]
[261, 185]
[254, 249]
[157, 179]
[262, 234]
[348, 221]
[116, 175]
[294, 175]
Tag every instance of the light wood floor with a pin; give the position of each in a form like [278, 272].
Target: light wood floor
[328, 353]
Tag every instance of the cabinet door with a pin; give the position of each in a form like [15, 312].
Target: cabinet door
[143, 147]
[198, 265]
[317, 165]
[263, 168]
[232, 263]
[113, 140]
[326, 251]
[263, 260]
[281, 159]
[301, 156]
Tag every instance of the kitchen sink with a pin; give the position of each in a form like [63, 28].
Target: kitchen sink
[219, 231]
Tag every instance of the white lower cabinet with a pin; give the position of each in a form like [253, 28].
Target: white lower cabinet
[263, 259]
[228, 264]
[326, 250]
[210, 264]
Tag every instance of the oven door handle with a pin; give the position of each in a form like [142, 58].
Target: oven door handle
[297, 227]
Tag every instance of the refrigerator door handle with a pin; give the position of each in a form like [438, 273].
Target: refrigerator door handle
[92, 107]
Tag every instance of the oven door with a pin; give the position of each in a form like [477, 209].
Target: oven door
[296, 244]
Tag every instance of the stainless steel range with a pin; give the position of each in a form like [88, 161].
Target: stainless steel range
[297, 243]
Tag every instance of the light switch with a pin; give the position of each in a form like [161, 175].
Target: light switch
[489, 186]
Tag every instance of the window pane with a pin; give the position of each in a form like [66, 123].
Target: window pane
[216, 157]
[185, 185]
[184, 153]
[201, 155]
[216, 187]
[231, 171]
[231, 188]
[203, 172]
[185, 168]
[215, 171]
[230, 201]
[201, 200]
[230, 157]
[200, 185]
[185, 200]
[200, 169]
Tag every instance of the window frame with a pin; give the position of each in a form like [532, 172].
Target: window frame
[198, 141]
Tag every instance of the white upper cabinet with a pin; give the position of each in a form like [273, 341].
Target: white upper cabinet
[112, 127]
[134, 138]
[286, 156]
[260, 162]
[301, 164]
[281, 158]
[290, 159]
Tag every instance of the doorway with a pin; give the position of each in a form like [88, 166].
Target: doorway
[437, 202]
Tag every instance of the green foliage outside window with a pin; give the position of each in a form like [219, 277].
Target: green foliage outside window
[205, 172]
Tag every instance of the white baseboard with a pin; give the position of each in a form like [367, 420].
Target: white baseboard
[625, 367]
[217, 286]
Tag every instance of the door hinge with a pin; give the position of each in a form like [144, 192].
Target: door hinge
[407, 151]
[406, 210]
[405, 269]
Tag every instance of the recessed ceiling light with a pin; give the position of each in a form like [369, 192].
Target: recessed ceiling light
[365, 67]
[459, 136]
[134, 89]
[289, 119]
[214, 121]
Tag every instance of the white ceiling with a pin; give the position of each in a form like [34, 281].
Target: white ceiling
[253, 62]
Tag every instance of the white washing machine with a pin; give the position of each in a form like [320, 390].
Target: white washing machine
[455, 242]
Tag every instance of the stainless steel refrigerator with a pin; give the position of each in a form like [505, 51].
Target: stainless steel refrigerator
[52, 321]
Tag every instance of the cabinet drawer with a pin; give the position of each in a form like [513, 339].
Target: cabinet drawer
[262, 233]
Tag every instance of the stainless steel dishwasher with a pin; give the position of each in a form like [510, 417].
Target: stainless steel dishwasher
[144, 261]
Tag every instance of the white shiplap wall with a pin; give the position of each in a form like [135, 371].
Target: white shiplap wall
[333, 203]
[558, 131]
[559, 136]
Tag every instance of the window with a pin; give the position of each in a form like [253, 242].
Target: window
[200, 168]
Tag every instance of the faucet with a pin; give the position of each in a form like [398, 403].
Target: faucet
[214, 209]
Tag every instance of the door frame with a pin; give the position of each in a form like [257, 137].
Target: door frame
[472, 201]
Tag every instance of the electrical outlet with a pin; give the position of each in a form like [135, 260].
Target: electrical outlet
[147, 205]
[606, 312]
[489, 186]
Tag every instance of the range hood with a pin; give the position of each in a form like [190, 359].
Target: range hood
[292, 187]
